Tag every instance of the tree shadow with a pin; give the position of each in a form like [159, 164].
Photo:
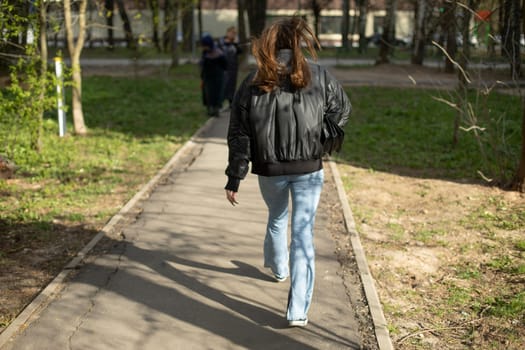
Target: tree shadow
[241, 320]
[31, 254]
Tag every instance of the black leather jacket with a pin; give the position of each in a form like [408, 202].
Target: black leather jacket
[279, 131]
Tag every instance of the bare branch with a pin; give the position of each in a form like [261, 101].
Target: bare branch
[484, 177]
[438, 329]
[451, 104]
[465, 75]
[473, 127]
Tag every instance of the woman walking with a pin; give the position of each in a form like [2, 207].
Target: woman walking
[275, 122]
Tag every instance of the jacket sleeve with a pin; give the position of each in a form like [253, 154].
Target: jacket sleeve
[239, 137]
[337, 106]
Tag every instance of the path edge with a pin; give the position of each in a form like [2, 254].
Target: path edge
[376, 311]
[52, 290]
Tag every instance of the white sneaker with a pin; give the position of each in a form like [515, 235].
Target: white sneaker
[298, 323]
[280, 279]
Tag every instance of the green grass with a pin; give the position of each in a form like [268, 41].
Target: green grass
[135, 125]
[410, 133]
[142, 52]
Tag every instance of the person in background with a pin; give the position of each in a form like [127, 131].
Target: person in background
[213, 65]
[231, 49]
[275, 123]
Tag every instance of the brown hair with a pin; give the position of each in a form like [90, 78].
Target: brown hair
[288, 33]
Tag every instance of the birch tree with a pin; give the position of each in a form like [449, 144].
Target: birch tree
[75, 49]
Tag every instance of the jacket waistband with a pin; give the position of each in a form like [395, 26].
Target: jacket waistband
[287, 168]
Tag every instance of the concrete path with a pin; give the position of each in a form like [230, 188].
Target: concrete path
[189, 275]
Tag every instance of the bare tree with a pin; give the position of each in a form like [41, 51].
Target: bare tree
[241, 24]
[256, 10]
[130, 40]
[109, 6]
[466, 16]
[388, 37]
[316, 7]
[171, 17]
[518, 183]
[155, 17]
[462, 62]
[188, 34]
[361, 24]
[199, 17]
[511, 35]
[449, 26]
[345, 25]
[419, 40]
[75, 49]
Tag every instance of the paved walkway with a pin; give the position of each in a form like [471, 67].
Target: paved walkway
[189, 275]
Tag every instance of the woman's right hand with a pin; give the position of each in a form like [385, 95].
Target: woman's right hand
[230, 195]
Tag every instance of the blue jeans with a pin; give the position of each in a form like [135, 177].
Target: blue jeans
[300, 261]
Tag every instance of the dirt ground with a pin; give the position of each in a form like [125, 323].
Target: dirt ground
[421, 252]
[413, 230]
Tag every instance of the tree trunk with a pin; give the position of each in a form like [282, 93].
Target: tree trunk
[42, 25]
[345, 25]
[89, 30]
[109, 6]
[450, 25]
[188, 35]
[199, 18]
[355, 26]
[241, 24]
[171, 15]
[463, 77]
[511, 36]
[518, 183]
[130, 41]
[316, 10]
[464, 56]
[74, 52]
[363, 5]
[387, 39]
[256, 16]
[418, 50]
[155, 17]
